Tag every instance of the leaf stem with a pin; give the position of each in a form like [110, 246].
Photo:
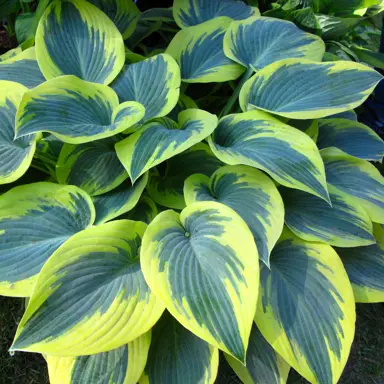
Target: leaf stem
[232, 100]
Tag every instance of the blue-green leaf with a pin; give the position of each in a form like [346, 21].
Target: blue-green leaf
[94, 167]
[145, 210]
[177, 355]
[259, 41]
[22, 68]
[167, 189]
[352, 137]
[119, 201]
[257, 139]
[250, 193]
[330, 88]
[35, 219]
[193, 12]
[15, 155]
[124, 14]
[200, 54]
[203, 265]
[90, 296]
[123, 365]
[154, 83]
[75, 111]
[162, 139]
[75, 38]
[306, 308]
[356, 178]
[365, 268]
[344, 224]
[263, 364]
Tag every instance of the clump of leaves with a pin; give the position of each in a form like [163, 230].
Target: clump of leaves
[164, 233]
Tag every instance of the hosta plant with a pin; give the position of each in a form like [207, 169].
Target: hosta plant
[204, 190]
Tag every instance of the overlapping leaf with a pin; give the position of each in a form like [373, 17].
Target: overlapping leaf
[188, 13]
[162, 139]
[124, 14]
[176, 352]
[306, 309]
[35, 220]
[90, 296]
[123, 365]
[119, 201]
[22, 68]
[203, 264]
[357, 179]
[145, 210]
[15, 155]
[259, 41]
[344, 224]
[263, 364]
[365, 268]
[352, 137]
[167, 190]
[75, 38]
[154, 83]
[302, 89]
[257, 139]
[94, 167]
[76, 111]
[200, 54]
[251, 194]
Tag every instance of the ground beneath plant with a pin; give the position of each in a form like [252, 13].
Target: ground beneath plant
[365, 366]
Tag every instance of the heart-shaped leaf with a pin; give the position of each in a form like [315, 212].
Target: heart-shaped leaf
[203, 265]
[75, 38]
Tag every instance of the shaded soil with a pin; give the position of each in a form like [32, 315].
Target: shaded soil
[6, 43]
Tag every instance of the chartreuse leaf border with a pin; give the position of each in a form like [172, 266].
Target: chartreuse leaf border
[123, 365]
[263, 364]
[306, 308]
[162, 139]
[330, 88]
[200, 54]
[344, 224]
[75, 111]
[365, 268]
[35, 220]
[15, 155]
[76, 38]
[357, 179]
[259, 140]
[90, 296]
[188, 13]
[250, 193]
[203, 265]
[177, 352]
[153, 82]
[271, 40]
